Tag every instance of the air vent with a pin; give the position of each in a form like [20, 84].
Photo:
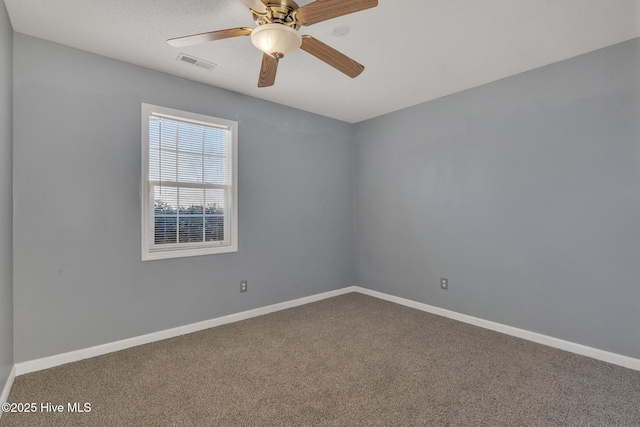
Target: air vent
[196, 61]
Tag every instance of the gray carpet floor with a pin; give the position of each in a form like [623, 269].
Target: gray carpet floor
[351, 360]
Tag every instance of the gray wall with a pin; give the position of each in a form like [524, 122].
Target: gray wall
[79, 280]
[6, 196]
[525, 193]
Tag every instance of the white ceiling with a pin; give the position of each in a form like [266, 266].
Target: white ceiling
[413, 50]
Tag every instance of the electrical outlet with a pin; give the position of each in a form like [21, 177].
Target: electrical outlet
[444, 283]
[243, 286]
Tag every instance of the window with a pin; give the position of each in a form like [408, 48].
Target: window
[189, 184]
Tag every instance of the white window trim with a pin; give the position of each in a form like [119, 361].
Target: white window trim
[186, 250]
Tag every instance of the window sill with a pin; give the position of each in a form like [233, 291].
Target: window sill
[182, 253]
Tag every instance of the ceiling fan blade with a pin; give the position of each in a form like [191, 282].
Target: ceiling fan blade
[256, 5]
[268, 71]
[337, 60]
[208, 37]
[321, 10]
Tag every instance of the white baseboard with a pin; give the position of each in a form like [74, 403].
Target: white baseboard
[594, 353]
[74, 356]
[7, 387]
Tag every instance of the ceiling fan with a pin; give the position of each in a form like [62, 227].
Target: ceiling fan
[277, 33]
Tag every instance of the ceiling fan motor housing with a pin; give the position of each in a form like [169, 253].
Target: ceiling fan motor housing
[278, 12]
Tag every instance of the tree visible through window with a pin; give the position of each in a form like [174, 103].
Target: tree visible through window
[197, 224]
[190, 169]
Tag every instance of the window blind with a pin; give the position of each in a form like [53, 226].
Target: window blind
[189, 183]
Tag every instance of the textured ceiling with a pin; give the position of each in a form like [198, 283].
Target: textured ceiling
[414, 50]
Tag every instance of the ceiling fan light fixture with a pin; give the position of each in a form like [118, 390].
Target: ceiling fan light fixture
[277, 33]
[276, 40]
